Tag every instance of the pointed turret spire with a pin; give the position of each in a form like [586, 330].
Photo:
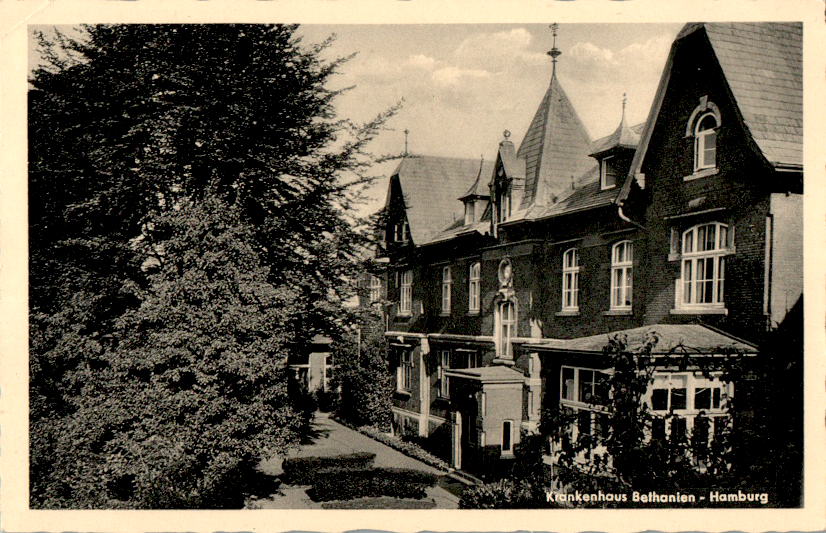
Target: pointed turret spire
[624, 101]
[554, 52]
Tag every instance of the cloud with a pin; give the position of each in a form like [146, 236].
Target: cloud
[422, 61]
[500, 51]
[453, 75]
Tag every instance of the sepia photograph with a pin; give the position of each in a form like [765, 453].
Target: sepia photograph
[550, 265]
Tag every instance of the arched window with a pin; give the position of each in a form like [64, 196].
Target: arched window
[705, 141]
[704, 264]
[474, 287]
[622, 259]
[570, 280]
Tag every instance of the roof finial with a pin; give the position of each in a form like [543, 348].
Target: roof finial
[506, 134]
[406, 133]
[554, 52]
[624, 101]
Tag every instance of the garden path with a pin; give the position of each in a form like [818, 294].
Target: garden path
[332, 438]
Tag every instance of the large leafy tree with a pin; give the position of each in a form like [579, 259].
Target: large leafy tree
[188, 196]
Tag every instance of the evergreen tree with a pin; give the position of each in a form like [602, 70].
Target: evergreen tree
[187, 209]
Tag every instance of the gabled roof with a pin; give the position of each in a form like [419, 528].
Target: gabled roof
[555, 147]
[693, 339]
[479, 186]
[624, 137]
[431, 186]
[762, 63]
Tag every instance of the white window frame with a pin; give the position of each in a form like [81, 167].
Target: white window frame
[447, 288]
[693, 382]
[406, 293]
[444, 365]
[577, 401]
[474, 287]
[603, 174]
[701, 139]
[570, 280]
[375, 288]
[404, 372]
[691, 260]
[505, 205]
[622, 276]
[505, 329]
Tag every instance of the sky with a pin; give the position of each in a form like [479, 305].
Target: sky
[463, 85]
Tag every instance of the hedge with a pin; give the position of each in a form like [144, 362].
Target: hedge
[408, 448]
[303, 470]
[403, 475]
[348, 485]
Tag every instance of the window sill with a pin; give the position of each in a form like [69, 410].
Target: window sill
[508, 455]
[700, 311]
[473, 313]
[702, 173]
[402, 393]
[571, 312]
[404, 315]
[444, 313]
[442, 399]
[618, 312]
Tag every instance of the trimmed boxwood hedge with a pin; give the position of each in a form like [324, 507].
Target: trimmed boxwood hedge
[404, 475]
[351, 484]
[304, 470]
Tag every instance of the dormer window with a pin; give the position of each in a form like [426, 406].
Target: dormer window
[702, 127]
[705, 142]
[470, 212]
[401, 232]
[505, 205]
[607, 173]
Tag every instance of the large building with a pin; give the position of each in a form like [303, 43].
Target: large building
[506, 279]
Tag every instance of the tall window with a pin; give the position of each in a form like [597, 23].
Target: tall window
[703, 265]
[470, 212]
[375, 289]
[505, 205]
[570, 280]
[406, 299]
[705, 142]
[507, 328]
[401, 231]
[447, 285]
[444, 364]
[622, 258]
[507, 436]
[607, 173]
[474, 287]
[404, 373]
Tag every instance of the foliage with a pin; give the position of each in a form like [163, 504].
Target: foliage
[506, 494]
[348, 485]
[382, 502]
[188, 228]
[362, 376]
[751, 451]
[408, 448]
[303, 470]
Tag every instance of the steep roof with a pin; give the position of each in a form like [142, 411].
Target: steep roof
[431, 186]
[763, 65]
[624, 136]
[672, 338]
[555, 147]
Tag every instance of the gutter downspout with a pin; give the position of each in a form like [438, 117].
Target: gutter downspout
[626, 219]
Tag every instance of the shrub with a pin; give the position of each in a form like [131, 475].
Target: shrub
[407, 448]
[348, 485]
[406, 475]
[505, 494]
[303, 470]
